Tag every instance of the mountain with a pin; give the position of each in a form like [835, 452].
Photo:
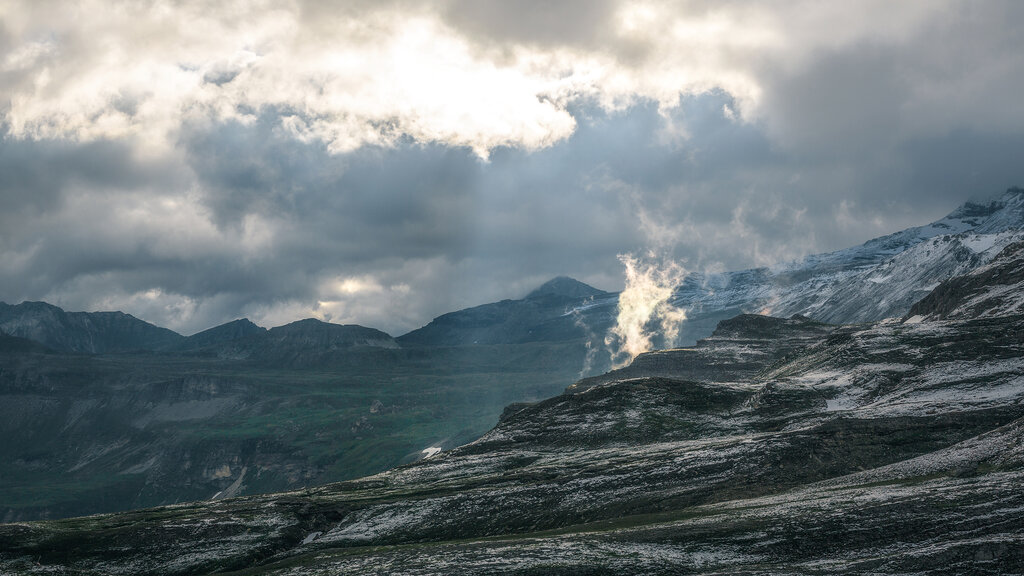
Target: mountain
[775, 446]
[565, 287]
[889, 288]
[879, 279]
[303, 342]
[556, 311]
[83, 332]
[883, 277]
[317, 335]
[227, 332]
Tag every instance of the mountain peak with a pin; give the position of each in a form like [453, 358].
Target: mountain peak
[320, 334]
[565, 286]
[241, 328]
[83, 332]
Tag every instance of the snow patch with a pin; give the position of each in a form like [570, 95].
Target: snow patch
[981, 243]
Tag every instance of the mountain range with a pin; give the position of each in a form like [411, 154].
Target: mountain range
[772, 446]
[106, 412]
[878, 279]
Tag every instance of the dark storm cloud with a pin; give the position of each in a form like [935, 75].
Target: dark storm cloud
[406, 201]
[36, 175]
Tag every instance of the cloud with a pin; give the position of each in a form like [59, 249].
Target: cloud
[645, 317]
[90, 71]
[193, 162]
[487, 74]
[475, 74]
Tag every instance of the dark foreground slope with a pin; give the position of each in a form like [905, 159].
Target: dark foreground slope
[892, 448]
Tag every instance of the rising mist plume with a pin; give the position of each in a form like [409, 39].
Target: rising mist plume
[646, 317]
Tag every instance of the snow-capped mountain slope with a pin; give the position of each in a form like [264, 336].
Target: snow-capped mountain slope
[995, 289]
[879, 279]
[1003, 214]
[890, 287]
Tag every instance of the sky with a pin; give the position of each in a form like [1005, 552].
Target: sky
[383, 162]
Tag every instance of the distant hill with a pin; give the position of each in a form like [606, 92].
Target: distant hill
[564, 287]
[549, 313]
[302, 342]
[226, 332]
[83, 332]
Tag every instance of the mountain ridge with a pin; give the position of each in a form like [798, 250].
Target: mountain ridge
[849, 285]
[83, 332]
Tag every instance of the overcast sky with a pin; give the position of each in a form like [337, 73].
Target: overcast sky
[388, 161]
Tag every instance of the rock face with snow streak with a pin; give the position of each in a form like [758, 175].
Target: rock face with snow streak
[995, 289]
[777, 446]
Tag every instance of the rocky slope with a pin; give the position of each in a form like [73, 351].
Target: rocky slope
[773, 447]
[990, 291]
